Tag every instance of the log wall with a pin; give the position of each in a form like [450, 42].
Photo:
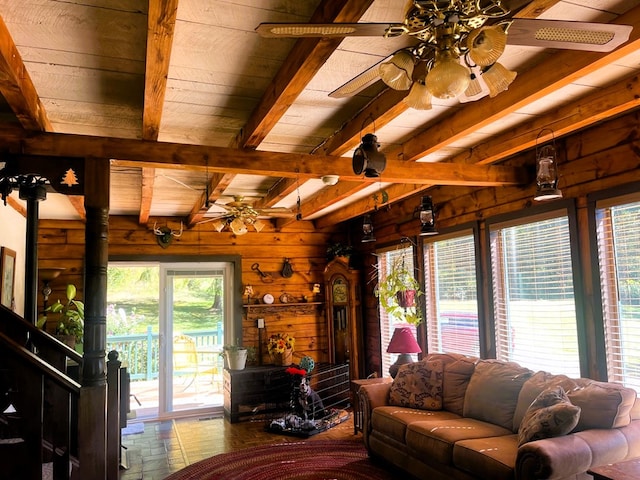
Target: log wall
[61, 244]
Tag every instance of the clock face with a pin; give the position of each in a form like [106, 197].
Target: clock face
[339, 292]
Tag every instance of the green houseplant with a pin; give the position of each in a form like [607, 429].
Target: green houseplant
[70, 317]
[398, 293]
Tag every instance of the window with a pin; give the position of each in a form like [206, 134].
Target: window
[618, 234]
[534, 307]
[388, 322]
[451, 294]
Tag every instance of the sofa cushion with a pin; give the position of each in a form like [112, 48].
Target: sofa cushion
[492, 394]
[550, 415]
[492, 457]
[456, 380]
[437, 438]
[533, 387]
[393, 421]
[418, 385]
[604, 405]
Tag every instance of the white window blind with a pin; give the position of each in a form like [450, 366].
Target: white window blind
[533, 295]
[387, 322]
[451, 295]
[618, 233]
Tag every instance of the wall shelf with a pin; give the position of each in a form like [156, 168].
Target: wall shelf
[266, 308]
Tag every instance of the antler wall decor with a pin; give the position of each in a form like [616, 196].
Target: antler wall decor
[164, 235]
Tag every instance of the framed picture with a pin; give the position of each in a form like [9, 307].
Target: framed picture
[8, 274]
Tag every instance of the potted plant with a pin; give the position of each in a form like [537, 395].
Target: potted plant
[70, 326]
[339, 250]
[280, 348]
[398, 293]
[235, 356]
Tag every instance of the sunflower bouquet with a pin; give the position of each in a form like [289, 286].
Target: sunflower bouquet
[280, 342]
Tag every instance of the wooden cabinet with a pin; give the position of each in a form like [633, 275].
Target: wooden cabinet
[344, 315]
[255, 390]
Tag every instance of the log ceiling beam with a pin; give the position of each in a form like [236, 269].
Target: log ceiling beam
[215, 188]
[305, 59]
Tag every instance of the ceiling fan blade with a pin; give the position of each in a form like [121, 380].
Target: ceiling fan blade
[359, 82]
[593, 37]
[278, 212]
[284, 30]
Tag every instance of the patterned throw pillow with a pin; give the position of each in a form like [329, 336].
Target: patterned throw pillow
[550, 415]
[418, 385]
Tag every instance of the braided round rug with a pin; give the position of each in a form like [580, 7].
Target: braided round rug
[306, 460]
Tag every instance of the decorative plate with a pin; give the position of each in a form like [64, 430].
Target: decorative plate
[268, 298]
[284, 298]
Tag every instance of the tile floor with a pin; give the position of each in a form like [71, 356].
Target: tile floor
[168, 446]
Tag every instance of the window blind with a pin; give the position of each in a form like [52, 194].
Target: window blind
[451, 295]
[618, 234]
[533, 295]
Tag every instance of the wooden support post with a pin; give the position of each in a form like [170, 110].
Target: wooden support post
[93, 396]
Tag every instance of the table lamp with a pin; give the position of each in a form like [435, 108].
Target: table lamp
[404, 343]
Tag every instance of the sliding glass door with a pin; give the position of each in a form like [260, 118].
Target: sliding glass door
[168, 321]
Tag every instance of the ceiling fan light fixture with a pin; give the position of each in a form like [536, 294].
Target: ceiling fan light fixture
[218, 225]
[397, 72]
[498, 78]
[486, 45]
[238, 227]
[259, 225]
[448, 78]
[419, 96]
[474, 88]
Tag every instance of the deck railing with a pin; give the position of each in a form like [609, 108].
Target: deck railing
[141, 351]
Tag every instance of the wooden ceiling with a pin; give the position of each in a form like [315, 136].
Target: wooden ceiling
[188, 100]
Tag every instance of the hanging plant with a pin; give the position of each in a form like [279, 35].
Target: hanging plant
[398, 293]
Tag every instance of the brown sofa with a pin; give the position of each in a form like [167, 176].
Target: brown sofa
[455, 417]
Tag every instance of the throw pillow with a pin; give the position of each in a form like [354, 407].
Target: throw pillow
[550, 415]
[418, 385]
[492, 393]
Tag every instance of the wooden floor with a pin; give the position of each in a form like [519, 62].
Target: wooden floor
[168, 446]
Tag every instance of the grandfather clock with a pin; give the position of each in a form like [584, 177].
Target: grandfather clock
[344, 315]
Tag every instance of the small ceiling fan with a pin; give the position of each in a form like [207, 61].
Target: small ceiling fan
[238, 215]
[458, 44]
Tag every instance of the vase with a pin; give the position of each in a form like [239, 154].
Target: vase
[283, 359]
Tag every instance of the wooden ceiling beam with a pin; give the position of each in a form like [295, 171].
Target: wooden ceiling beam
[303, 62]
[216, 186]
[139, 153]
[325, 198]
[17, 88]
[161, 21]
[146, 197]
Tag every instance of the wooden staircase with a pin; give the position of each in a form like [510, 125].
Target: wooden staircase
[40, 408]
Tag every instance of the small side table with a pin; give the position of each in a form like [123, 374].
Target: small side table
[617, 471]
[355, 399]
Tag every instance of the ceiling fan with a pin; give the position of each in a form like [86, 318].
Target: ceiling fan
[458, 44]
[238, 215]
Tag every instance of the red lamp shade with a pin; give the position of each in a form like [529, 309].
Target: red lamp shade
[403, 341]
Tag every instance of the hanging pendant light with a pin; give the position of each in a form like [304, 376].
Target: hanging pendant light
[367, 158]
[367, 229]
[546, 174]
[425, 213]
